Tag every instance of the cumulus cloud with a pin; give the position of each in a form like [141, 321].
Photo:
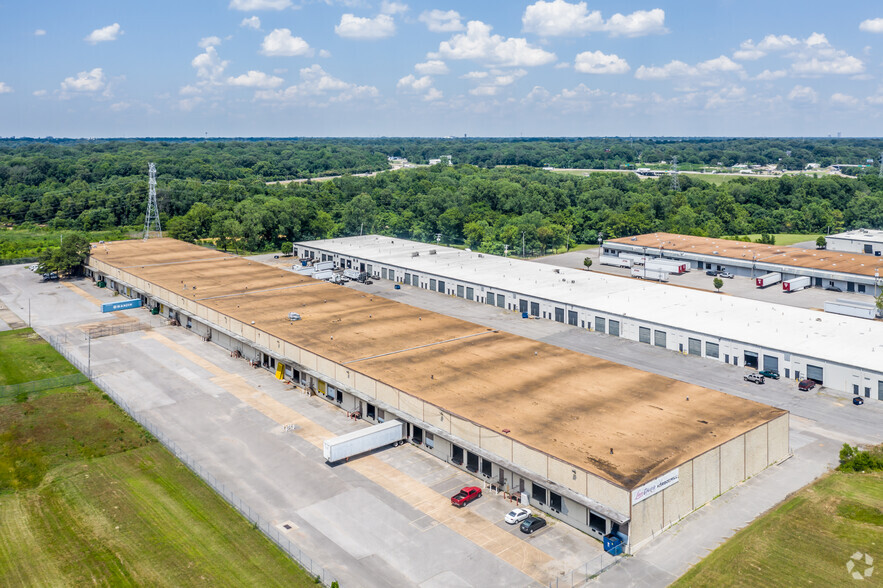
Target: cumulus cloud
[247, 5]
[872, 25]
[324, 53]
[318, 88]
[5, 88]
[357, 27]
[840, 99]
[559, 18]
[281, 43]
[812, 56]
[252, 22]
[596, 62]
[496, 80]
[39, 93]
[432, 67]
[419, 85]
[209, 66]
[108, 33]
[206, 42]
[478, 44]
[767, 75]
[803, 95]
[85, 81]
[475, 75]
[39, 32]
[255, 79]
[387, 7]
[678, 68]
[441, 21]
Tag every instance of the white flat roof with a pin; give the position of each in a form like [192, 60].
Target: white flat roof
[842, 339]
[870, 235]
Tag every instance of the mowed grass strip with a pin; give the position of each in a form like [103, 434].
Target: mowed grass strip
[27, 357]
[89, 497]
[805, 541]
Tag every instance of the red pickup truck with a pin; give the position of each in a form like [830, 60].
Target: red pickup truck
[465, 496]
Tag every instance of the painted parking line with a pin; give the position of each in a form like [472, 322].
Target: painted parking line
[480, 531]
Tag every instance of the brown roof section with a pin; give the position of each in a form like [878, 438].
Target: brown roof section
[835, 261]
[569, 405]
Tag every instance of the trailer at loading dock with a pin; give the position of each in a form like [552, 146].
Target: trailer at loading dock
[324, 265]
[649, 274]
[865, 310]
[304, 271]
[795, 284]
[363, 440]
[667, 265]
[615, 261]
[635, 259]
[354, 274]
[323, 274]
[768, 279]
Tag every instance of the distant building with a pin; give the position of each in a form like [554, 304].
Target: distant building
[813, 166]
[868, 241]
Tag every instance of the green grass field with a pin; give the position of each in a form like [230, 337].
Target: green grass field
[89, 497]
[786, 238]
[805, 541]
[32, 240]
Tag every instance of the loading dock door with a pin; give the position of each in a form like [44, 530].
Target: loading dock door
[771, 363]
[597, 523]
[441, 286]
[501, 301]
[751, 359]
[471, 462]
[535, 309]
[522, 306]
[572, 318]
[815, 373]
[559, 315]
[694, 347]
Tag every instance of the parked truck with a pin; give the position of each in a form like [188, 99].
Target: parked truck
[768, 279]
[671, 266]
[324, 265]
[615, 261]
[355, 275]
[636, 259]
[364, 440]
[650, 274]
[796, 284]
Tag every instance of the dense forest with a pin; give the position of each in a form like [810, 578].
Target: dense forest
[219, 190]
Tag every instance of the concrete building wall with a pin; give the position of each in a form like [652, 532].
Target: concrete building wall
[647, 519]
[678, 499]
[732, 466]
[756, 453]
[706, 477]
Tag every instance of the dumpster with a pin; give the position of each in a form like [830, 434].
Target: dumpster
[303, 262]
[613, 544]
[398, 286]
[523, 315]
[154, 310]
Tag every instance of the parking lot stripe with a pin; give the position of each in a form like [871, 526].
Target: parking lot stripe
[518, 553]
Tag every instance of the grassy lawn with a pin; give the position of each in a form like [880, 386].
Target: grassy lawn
[26, 357]
[31, 241]
[89, 497]
[786, 238]
[805, 541]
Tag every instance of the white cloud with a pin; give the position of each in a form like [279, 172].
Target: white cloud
[209, 66]
[85, 81]
[5, 88]
[39, 32]
[673, 69]
[844, 99]
[189, 90]
[767, 75]
[324, 53]
[478, 44]
[433, 94]
[318, 88]
[749, 51]
[255, 79]
[412, 82]
[387, 7]
[120, 106]
[559, 18]
[39, 93]
[492, 83]
[356, 27]
[247, 5]
[725, 97]
[206, 42]
[872, 25]
[596, 62]
[188, 104]
[474, 75]
[280, 42]
[252, 22]
[440, 21]
[812, 56]
[803, 94]
[637, 24]
[108, 33]
[432, 67]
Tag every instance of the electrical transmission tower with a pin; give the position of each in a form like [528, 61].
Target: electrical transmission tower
[675, 184]
[152, 216]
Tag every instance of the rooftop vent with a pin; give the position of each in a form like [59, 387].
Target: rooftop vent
[432, 251]
[293, 316]
[415, 254]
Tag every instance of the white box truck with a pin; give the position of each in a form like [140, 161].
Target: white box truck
[324, 265]
[615, 261]
[768, 279]
[649, 274]
[363, 440]
[354, 274]
[323, 274]
[796, 284]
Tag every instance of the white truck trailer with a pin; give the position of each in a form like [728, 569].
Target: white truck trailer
[649, 274]
[636, 259]
[355, 275]
[363, 440]
[796, 284]
[323, 274]
[768, 279]
[615, 261]
[671, 266]
[304, 270]
[865, 310]
[324, 265]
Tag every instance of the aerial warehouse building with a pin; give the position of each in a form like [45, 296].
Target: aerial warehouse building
[603, 447]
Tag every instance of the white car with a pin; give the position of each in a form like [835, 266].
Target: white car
[517, 515]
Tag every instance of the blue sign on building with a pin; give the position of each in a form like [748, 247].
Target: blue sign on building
[121, 305]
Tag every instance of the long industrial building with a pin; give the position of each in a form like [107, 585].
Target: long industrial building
[849, 271]
[845, 354]
[602, 447]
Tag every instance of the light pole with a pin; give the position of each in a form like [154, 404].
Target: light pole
[89, 360]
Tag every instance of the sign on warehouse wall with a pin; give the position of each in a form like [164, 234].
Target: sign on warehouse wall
[121, 305]
[654, 486]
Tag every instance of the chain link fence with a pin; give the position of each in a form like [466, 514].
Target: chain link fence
[107, 330]
[583, 574]
[19, 260]
[266, 527]
[40, 385]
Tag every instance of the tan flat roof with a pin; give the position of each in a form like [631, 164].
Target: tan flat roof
[835, 261]
[566, 404]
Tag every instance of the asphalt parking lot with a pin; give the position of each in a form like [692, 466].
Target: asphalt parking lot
[384, 519]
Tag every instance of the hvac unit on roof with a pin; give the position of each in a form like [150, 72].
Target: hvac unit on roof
[432, 251]
[415, 254]
[293, 316]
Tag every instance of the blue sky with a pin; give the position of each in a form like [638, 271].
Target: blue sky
[441, 68]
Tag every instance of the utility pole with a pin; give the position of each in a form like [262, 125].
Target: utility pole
[522, 243]
[89, 361]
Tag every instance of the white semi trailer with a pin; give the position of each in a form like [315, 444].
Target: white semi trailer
[768, 279]
[364, 440]
[649, 274]
[615, 261]
[667, 265]
[795, 284]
